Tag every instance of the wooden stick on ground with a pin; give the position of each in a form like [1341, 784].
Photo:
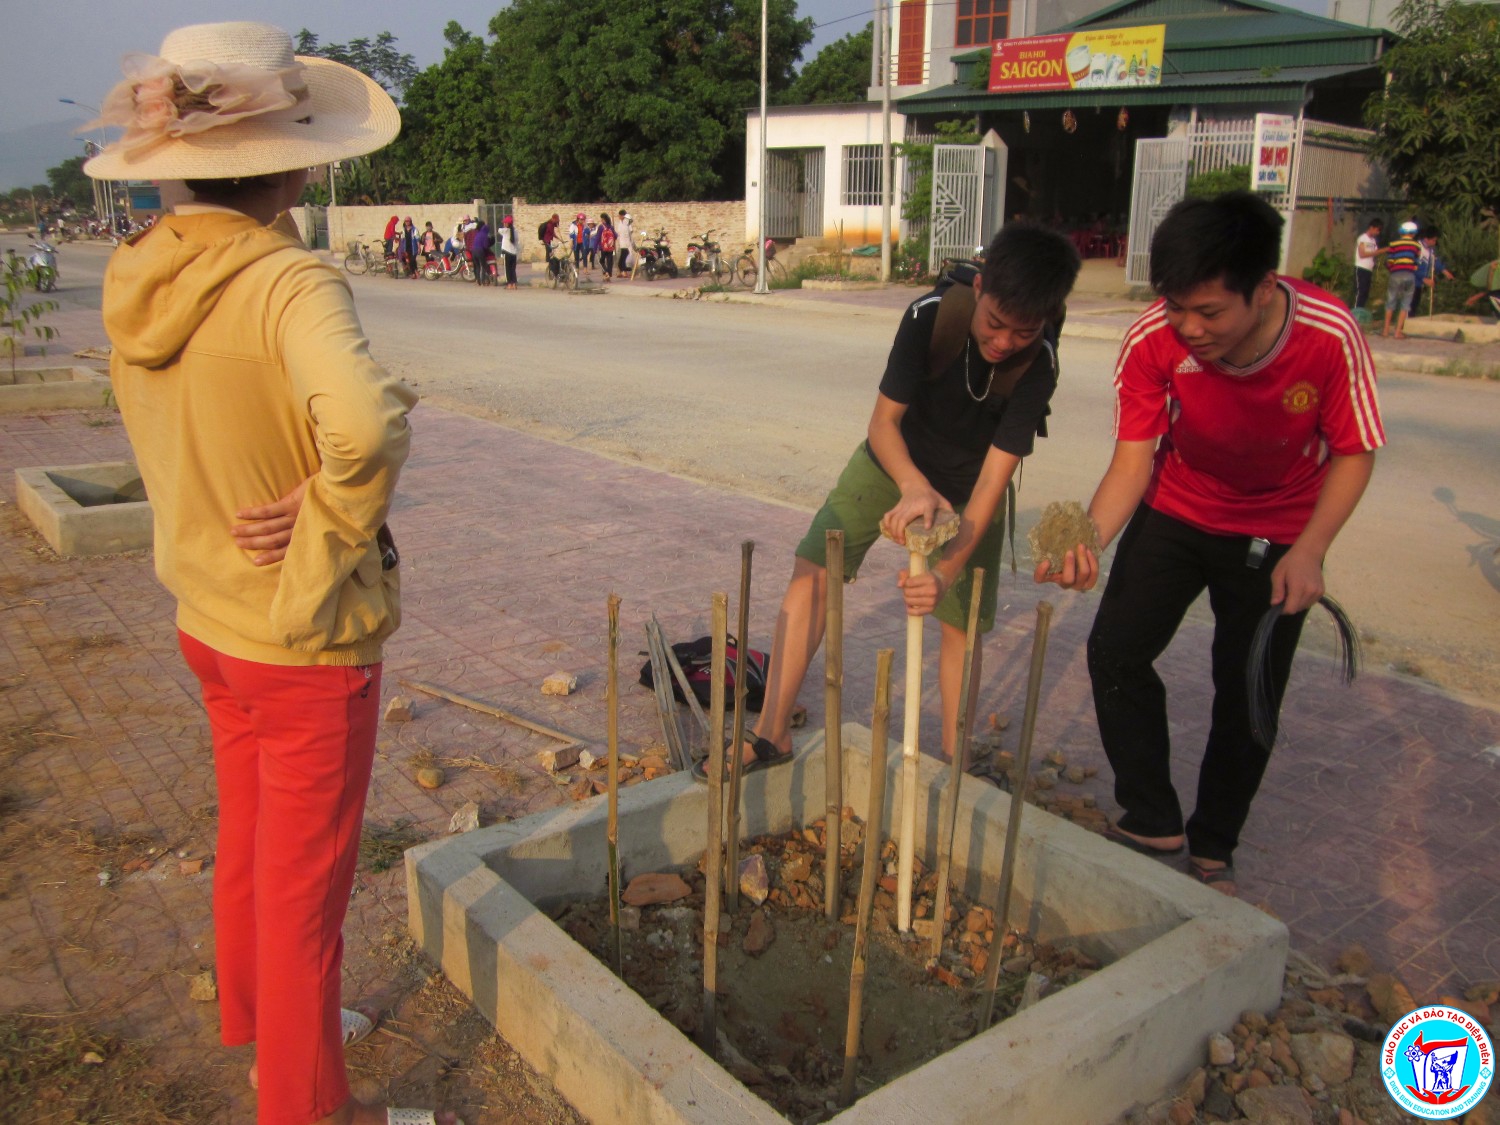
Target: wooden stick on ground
[956, 772]
[1017, 803]
[687, 689]
[666, 706]
[613, 830]
[833, 712]
[874, 822]
[713, 866]
[736, 767]
[488, 709]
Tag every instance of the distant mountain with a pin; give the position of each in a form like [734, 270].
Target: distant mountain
[26, 154]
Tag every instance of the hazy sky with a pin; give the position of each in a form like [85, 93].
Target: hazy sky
[72, 48]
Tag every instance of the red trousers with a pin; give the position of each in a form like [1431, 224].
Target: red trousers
[293, 747]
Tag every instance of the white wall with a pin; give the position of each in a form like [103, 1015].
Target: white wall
[829, 128]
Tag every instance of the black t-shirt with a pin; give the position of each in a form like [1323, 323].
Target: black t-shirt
[947, 433]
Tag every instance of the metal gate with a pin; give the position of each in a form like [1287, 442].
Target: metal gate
[1161, 173]
[794, 192]
[315, 224]
[492, 213]
[958, 201]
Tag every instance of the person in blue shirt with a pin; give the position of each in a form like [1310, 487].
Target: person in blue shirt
[1429, 268]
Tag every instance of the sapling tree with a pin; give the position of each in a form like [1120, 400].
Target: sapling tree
[20, 315]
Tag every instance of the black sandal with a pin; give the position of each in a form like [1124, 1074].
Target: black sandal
[1213, 876]
[766, 755]
[1117, 836]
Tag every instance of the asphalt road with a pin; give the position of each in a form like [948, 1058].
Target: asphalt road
[772, 400]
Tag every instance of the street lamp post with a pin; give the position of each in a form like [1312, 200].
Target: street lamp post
[105, 190]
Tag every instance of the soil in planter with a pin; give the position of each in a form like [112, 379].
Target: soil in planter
[783, 972]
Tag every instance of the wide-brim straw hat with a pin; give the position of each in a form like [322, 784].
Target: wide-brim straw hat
[338, 114]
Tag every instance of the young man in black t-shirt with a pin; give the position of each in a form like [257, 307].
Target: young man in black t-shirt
[965, 392]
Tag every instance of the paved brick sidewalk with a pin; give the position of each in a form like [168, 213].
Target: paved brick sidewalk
[1376, 823]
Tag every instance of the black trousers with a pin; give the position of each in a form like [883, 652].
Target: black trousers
[1362, 279]
[510, 269]
[1160, 568]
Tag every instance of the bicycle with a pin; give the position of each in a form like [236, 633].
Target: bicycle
[561, 267]
[703, 256]
[747, 269]
[457, 264]
[361, 259]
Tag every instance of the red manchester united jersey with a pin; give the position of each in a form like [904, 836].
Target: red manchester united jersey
[1244, 451]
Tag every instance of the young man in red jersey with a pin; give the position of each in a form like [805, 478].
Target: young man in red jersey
[1246, 430]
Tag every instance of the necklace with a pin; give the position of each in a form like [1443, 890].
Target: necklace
[968, 386]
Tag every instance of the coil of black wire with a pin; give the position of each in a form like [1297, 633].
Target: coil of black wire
[1263, 708]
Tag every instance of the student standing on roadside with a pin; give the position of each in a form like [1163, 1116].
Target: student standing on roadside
[625, 237]
[1401, 258]
[1366, 249]
[1246, 426]
[509, 248]
[243, 375]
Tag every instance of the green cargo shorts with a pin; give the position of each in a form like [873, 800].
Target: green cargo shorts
[863, 494]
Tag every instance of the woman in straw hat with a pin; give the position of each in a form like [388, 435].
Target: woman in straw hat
[243, 375]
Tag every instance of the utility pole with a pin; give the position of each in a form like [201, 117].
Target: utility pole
[760, 195]
[884, 50]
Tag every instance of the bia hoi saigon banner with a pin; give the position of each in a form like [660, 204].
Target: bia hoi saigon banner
[1103, 58]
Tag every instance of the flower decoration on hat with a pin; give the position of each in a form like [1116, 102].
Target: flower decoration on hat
[160, 99]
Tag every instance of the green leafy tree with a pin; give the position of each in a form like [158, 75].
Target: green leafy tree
[379, 59]
[20, 316]
[840, 72]
[619, 99]
[450, 126]
[1437, 118]
[70, 186]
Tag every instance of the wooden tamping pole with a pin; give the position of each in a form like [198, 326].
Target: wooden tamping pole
[920, 543]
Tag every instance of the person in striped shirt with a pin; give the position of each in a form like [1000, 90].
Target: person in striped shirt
[1246, 429]
[1401, 259]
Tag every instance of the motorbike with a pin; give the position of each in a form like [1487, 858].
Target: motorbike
[656, 257]
[43, 262]
[704, 255]
[455, 263]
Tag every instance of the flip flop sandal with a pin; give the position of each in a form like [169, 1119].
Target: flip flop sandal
[1114, 835]
[411, 1117]
[1211, 876]
[357, 1026]
[766, 754]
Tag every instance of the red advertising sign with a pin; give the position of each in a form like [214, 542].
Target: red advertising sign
[1099, 58]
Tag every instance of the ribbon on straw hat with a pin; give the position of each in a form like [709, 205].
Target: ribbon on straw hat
[222, 100]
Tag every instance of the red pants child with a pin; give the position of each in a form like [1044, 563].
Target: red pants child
[293, 747]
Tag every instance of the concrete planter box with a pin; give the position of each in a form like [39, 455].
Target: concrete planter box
[97, 509]
[837, 286]
[1181, 960]
[28, 390]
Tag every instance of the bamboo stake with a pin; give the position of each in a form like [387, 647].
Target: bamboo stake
[956, 773]
[489, 709]
[714, 853]
[906, 848]
[833, 709]
[613, 829]
[874, 821]
[1017, 802]
[736, 767]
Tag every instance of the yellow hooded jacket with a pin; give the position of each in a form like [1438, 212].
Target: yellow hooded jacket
[240, 369]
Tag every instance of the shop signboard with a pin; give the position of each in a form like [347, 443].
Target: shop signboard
[1275, 134]
[1103, 58]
